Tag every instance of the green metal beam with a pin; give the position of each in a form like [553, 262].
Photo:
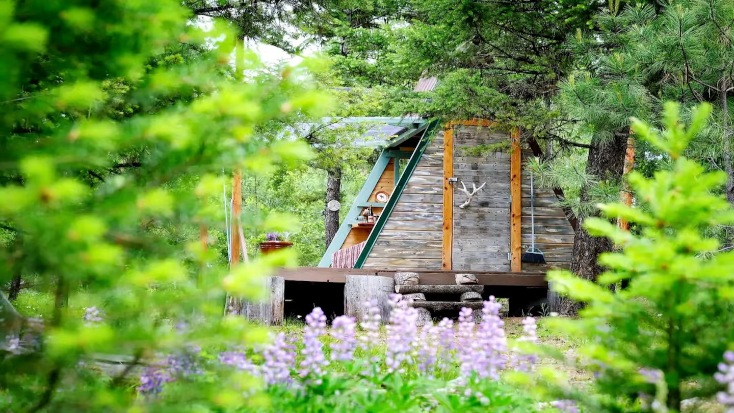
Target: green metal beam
[394, 153]
[407, 135]
[394, 121]
[361, 199]
[402, 183]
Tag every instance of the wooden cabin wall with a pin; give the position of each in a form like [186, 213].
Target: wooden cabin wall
[481, 240]
[386, 183]
[553, 233]
[412, 237]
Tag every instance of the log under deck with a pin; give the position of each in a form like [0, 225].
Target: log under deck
[428, 277]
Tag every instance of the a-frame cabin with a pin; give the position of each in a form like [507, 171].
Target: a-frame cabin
[422, 225]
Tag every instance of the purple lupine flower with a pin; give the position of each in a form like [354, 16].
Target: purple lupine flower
[427, 350]
[239, 360]
[371, 325]
[401, 333]
[12, 344]
[465, 341]
[280, 360]
[651, 376]
[343, 331]
[525, 362]
[566, 406]
[314, 360]
[446, 343]
[490, 343]
[725, 376]
[92, 316]
[185, 363]
[152, 379]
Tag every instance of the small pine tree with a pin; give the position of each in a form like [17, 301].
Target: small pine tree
[663, 335]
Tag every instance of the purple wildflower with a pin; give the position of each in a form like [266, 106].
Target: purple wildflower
[314, 360]
[343, 330]
[651, 376]
[92, 316]
[725, 376]
[465, 341]
[272, 236]
[371, 325]
[240, 361]
[525, 362]
[151, 381]
[566, 406]
[12, 344]
[280, 359]
[401, 333]
[186, 363]
[427, 349]
[446, 343]
[490, 344]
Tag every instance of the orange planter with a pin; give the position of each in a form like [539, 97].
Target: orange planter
[270, 246]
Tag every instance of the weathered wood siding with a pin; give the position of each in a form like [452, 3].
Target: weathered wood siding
[411, 238]
[482, 229]
[553, 232]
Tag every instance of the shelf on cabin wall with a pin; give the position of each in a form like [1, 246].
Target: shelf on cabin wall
[371, 204]
[365, 225]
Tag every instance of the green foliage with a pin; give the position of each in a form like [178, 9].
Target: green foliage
[673, 316]
[118, 120]
[483, 150]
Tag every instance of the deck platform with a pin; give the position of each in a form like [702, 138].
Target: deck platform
[429, 277]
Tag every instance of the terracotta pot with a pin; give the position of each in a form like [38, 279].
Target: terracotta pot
[270, 246]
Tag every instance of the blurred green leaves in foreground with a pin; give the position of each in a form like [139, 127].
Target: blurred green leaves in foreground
[658, 341]
[107, 110]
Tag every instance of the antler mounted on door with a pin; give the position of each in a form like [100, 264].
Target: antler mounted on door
[469, 195]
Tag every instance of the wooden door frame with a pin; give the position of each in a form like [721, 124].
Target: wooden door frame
[447, 246]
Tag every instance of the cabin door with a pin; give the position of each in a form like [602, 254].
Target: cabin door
[481, 229]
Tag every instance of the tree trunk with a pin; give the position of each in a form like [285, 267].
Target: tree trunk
[333, 192]
[605, 162]
[270, 310]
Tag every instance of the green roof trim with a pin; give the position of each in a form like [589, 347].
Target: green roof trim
[399, 188]
[360, 202]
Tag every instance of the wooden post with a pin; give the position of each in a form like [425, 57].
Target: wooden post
[515, 202]
[270, 310]
[234, 259]
[624, 194]
[448, 199]
[359, 289]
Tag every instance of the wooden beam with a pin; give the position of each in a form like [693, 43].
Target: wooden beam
[486, 278]
[448, 199]
[320, 274]
[515, 202]
[236, 212]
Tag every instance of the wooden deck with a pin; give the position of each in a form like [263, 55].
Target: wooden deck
[430, 277]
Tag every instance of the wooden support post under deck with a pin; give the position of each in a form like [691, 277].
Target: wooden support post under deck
[515, 202]
[236, 211]
[448, 198]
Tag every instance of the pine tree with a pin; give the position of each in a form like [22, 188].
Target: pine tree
[659, 340]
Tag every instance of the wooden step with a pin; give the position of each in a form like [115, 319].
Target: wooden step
[445, 305]
[438, 289]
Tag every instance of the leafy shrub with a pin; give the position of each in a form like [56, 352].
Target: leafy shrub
[659, 340]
